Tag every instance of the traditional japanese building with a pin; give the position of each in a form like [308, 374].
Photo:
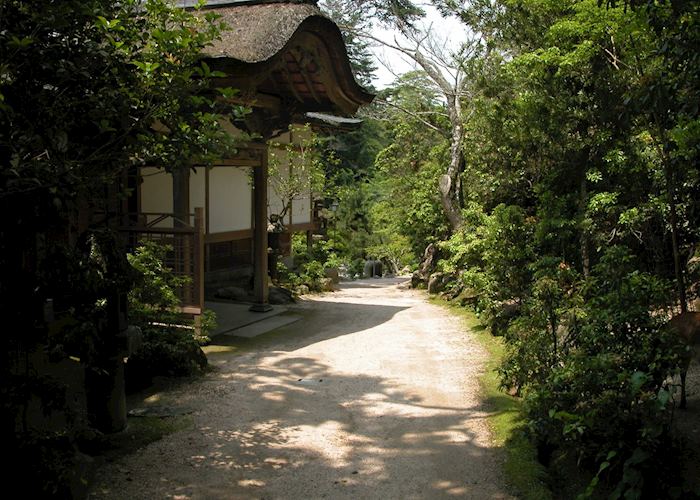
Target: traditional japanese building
[290, 65]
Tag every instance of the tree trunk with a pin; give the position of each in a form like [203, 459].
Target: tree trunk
[450, 182]
[673, 216]
[450, 202]
[585, 256]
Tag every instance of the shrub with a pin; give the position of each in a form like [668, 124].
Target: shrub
[311, 274]
[288, 278]
[591, 360]
[170, 343]
[167, 352]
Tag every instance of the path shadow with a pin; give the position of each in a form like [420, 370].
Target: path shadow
[270, 424]
[295, 428]
[334, 319]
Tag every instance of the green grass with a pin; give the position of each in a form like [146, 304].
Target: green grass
[524, 474]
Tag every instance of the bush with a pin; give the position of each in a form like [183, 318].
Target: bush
[492, 255]
[591, 360]
[310, 274]
[171, 345]
[288, 278]
[166, 352]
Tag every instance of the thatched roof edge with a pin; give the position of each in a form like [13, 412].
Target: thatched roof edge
[258, 33]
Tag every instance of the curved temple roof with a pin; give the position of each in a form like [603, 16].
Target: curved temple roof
[287, 50]
[258, 32]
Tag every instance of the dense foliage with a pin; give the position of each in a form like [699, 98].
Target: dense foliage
[88, 90]
[170, 343]
[580, 198]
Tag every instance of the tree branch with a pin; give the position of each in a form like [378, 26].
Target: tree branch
[415, 115]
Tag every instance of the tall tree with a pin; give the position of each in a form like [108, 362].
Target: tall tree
[352, 19]
[449, 72]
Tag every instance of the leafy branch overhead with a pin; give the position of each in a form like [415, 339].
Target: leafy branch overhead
[94, 87]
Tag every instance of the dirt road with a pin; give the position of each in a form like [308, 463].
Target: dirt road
[373, 394]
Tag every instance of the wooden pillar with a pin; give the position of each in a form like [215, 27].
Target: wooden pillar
[260, 288]
[181, 213]
[181, 196]
[199, 255]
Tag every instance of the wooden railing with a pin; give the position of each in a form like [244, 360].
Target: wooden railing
[185, 255]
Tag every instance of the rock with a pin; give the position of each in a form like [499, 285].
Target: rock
[406, 271]
[195, 358]
[429, 260]
[368, 269]
[344, 272]
[436, 283]
[378, 268]
[405, 285]
[454, 291]
[503, 316]
[372, 269]
[417, 280]
[467, 297]
[233, 293]
[303, 289]
[333, 274]
[280, 295]
[421, 277]
[326, 284]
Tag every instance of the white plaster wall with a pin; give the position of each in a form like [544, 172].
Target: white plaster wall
[301, 210]
[284, 138]
[299, 133]
[157, 193]
[230, 198]
[301, 205]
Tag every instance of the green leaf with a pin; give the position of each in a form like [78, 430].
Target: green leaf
[20, 43]
[637, 380]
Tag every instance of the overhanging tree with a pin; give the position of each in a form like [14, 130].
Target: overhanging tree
[88, 90]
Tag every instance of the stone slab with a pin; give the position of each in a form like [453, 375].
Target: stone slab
[230, 316]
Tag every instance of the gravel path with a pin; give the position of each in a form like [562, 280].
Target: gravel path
[374, 394]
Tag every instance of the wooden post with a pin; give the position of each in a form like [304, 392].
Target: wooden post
[181, 196]
[199, 255]
[260, 288]
[181, 211]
